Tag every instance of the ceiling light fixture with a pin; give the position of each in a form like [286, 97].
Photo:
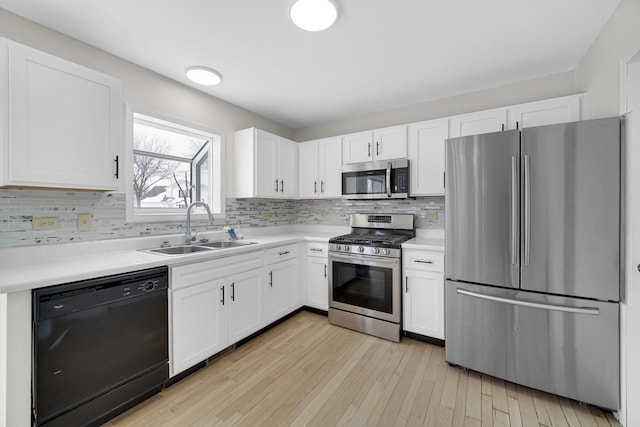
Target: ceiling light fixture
[203, 76]
[313, 15]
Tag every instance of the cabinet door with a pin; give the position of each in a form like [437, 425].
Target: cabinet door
[64, 122]
[477, 123]
[288, 168]
[267, 184]
[198, 324]
[281, 289]
[244, 298]
[426, 157]
[317, 283]
[424, 303]
[547, 112]
[390, 143]
[330, 168]
[308, 170]
[357, 147]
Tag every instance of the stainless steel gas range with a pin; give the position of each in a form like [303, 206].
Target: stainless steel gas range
[365, 285]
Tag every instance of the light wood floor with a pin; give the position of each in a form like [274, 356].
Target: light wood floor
[305, 372]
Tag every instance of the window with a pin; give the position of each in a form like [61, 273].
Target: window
[172, 165]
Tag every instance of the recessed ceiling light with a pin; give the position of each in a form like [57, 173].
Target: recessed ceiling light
[204, 76]
[313, 15]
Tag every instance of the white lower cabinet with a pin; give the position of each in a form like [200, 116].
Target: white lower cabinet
[423, 286]
[198, 327]
[316, 279]
[245, 308]
[213, 304]
[282, 282]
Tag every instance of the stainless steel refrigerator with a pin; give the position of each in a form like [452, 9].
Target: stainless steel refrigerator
[533, 257]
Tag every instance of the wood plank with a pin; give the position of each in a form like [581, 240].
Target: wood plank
[499, 395]
[527, 407]
[474, 396]
[487, 411]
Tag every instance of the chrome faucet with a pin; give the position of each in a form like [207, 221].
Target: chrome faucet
[187, 235]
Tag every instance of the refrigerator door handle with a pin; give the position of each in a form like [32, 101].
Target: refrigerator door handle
[514, 210]
[594, 311]
[527, 209]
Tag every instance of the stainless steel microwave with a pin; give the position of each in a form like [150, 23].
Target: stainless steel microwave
[385, 179]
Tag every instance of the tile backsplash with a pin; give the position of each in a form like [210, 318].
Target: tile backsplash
[18, 207]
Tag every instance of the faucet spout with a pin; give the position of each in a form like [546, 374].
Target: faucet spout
[188, 236]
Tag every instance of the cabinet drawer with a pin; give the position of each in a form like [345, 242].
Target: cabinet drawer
[188, 275]
[424, 260]
[318, 249]
[282, 253]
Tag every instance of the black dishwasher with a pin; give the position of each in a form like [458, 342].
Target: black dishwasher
[100, 347]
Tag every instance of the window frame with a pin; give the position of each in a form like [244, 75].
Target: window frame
[215, 163]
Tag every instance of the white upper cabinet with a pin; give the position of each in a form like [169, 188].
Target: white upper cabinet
[479, 122]
[381, 144]
[61, 122]
[426, 157]
[266, 165]
[541, 113]
[320, 164]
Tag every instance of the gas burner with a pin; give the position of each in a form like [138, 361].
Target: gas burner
[380, 235]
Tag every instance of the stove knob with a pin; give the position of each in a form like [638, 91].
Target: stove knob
[376, 250]
[347, 248]
[337, 247]
[360, 249]
[386, 251]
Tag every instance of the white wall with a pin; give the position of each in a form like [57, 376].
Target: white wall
[143, 87]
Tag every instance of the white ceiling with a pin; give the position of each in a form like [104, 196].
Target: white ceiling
[380, 54]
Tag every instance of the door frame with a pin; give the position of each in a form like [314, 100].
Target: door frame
[630, 305]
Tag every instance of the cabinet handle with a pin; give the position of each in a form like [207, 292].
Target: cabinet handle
[423, 261]
[316, 250]
[271, 279]
[222, 300]
[377, 148]
[369, 149]
[284, 253]
[406, 284]
[276, 181]
[444, 180]
[503, 126]
[322, 186]
[117, 160]
[233, 291]
[282, 186]
[315, 187]
[517, 125]
[325, 271]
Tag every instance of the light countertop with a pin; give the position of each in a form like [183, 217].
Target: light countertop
[31, 267]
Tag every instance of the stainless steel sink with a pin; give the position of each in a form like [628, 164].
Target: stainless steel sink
[178, 250]
[227, 244]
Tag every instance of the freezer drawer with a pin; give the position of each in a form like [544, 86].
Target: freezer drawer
[565, 346]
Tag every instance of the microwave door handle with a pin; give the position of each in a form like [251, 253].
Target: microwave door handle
[388, 179]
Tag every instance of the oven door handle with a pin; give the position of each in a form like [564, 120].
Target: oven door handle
[368, 259]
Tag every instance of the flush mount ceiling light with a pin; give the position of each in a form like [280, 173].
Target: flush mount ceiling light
[313, 15]
[203, 76]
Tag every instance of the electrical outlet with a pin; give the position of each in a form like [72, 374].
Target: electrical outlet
[48, 223]
[266, 216]
[431, 216]
[85, 222]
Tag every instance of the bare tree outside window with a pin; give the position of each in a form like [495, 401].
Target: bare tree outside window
[147, 170]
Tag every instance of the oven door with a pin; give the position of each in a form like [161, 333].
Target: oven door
[366, 285]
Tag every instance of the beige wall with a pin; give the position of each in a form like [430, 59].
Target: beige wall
[143, 87]
[599, 71]
[516, 93]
